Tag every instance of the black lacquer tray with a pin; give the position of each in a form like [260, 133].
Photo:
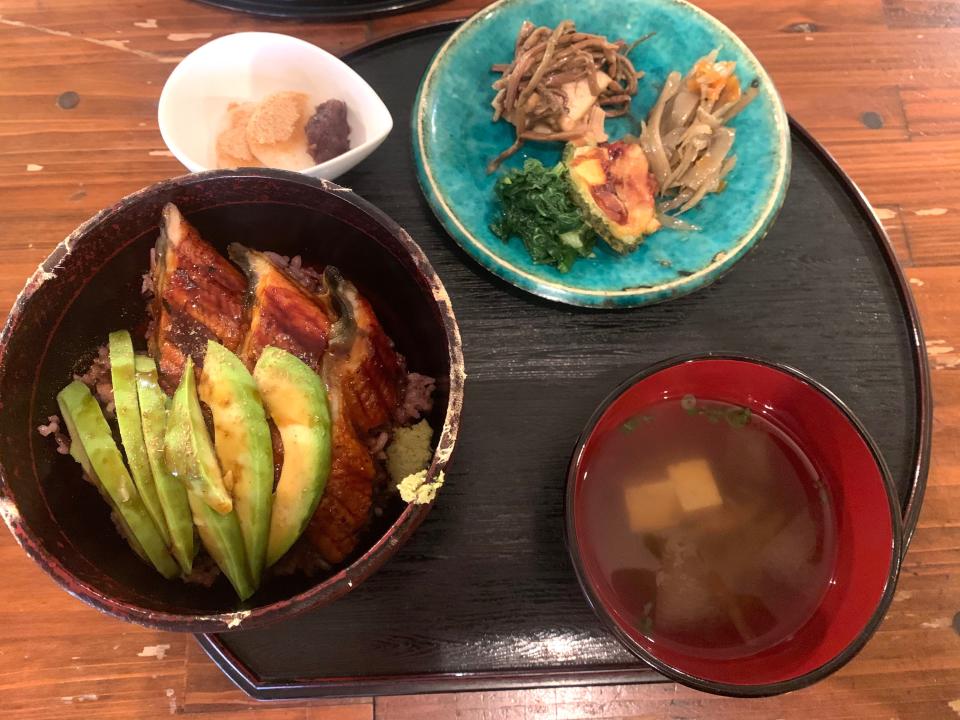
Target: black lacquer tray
[334, 10]
[484, 596]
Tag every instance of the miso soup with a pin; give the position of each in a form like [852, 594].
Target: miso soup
[710, 526]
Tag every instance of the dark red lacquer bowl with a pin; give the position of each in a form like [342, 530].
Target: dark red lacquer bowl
[862, 494]
[91, 284]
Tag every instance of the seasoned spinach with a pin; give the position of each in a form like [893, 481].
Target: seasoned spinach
[535, 206]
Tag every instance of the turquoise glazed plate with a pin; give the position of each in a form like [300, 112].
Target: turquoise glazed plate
[455, 138]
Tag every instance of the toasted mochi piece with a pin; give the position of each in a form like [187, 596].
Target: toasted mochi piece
[275, 131]
[232, 148]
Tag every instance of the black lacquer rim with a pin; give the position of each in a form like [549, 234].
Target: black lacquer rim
[357, 11]
[712, 686]
[918, 348]
[262, 689]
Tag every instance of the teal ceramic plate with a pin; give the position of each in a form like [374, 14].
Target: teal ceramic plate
[454, 138]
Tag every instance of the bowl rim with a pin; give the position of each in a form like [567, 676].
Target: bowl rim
[559, 291]
[674, 673]
[381, 113]
[348, 577]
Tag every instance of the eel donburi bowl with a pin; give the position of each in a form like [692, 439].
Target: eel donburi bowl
[91, 285]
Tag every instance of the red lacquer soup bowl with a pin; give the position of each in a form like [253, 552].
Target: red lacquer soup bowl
[864, 523]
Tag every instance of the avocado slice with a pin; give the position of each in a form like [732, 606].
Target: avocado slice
[125, 530]
[80, 455]
[172, 493]
[243, 445]
[296, 400]
[92, 445]
[188, 450]
[131, 431]
[222, 538]
[189, 456]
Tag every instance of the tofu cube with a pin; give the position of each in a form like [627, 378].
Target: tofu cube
[696, 488]
[652, 506]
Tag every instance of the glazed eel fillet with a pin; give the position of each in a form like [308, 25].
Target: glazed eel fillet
[198, 295]
[337, 334]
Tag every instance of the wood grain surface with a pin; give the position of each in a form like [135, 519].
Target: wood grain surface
[877, 81]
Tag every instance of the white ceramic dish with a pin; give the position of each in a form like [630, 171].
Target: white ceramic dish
[248, 67]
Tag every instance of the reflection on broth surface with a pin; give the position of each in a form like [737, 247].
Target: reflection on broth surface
[712, 530]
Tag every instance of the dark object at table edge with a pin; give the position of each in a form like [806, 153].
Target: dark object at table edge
[354, 11]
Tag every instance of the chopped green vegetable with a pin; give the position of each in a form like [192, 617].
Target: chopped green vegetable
[631, 423]
[735, 416]
[535, 206]
[738, 417]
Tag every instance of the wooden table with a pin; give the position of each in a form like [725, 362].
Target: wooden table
[876, 81]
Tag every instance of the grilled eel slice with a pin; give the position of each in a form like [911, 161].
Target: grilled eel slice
[364, 377]
[198, 295]
[281, 312]
[336, 333]
[362, 360]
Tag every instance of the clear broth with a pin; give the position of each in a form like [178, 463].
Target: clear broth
[740, 566]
